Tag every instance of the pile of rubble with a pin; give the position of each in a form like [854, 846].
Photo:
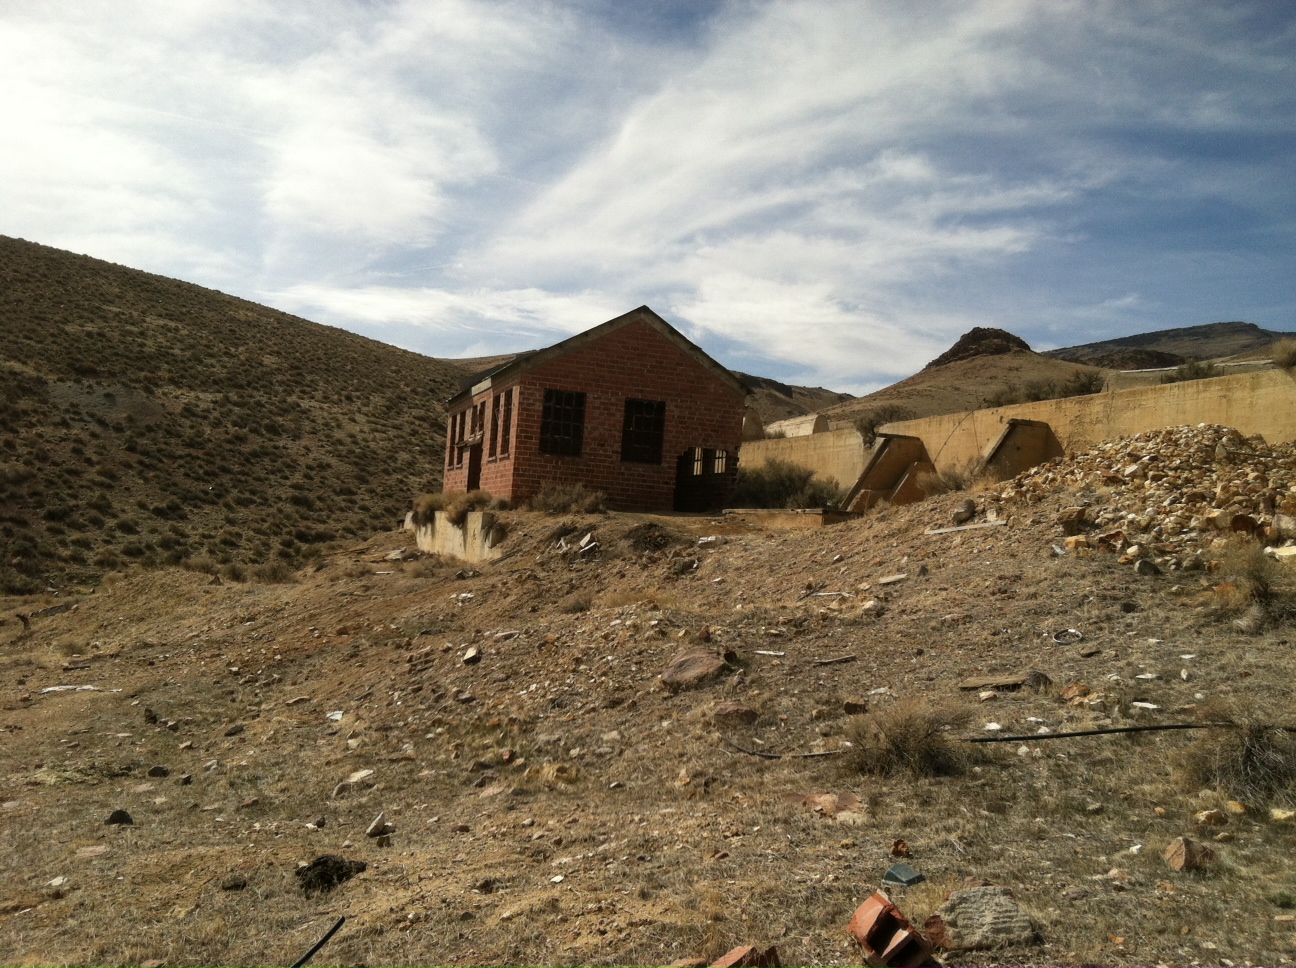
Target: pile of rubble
[1170, 496]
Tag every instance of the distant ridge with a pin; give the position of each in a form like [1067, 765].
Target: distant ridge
[1170, 347]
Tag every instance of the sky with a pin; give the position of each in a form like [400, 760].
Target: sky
[826, 193]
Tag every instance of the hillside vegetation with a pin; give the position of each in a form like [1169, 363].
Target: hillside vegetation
[146, 419]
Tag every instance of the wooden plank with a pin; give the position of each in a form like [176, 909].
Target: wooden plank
[966, 527]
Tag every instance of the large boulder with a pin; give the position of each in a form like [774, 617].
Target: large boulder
[980, 918]
[692, 668]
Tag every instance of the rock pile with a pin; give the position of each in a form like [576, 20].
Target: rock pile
[1170, 495]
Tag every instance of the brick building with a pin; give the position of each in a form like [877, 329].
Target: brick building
[630, 408]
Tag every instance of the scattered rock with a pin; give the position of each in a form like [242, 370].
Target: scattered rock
[855, 707]
[235, 729]
[1145, 566]
[965, 511]
[120, 818]
[980, 918]
[234, 882]
[1073, 520]
[472, 656]
[692, 668]
[734, 712]
[186, 779]
[746, 956]
[159, 771]
[1210, 818]
[328, 871]
[903, 875]
[1183, 854]
[379, 827]
[846, 807]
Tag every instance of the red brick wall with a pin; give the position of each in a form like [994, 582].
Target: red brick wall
[634, 361]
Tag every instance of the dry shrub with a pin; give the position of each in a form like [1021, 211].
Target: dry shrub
[567, 499]
[427, 505]
[1194, 370]
[783, 484]
[1250, 756]
[968, 476]
[1283, 353]
[868, 423]
[1250, 574]
[651, 536]
[458, 506]
[910, 735]
[273, 573]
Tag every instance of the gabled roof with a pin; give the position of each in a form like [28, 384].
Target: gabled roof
[527, 361]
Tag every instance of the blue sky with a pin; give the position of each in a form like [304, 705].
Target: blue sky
[825, 193]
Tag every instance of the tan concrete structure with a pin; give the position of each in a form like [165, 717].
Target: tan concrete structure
[1262, 402]
[838, 454]
[479, 538]
[803, 426]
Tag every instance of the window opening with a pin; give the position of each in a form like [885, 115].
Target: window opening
[643, 431]
[494, 435]
[562, 422]
[506, 423]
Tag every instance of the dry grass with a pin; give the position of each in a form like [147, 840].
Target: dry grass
[567, 499]
[910, 735]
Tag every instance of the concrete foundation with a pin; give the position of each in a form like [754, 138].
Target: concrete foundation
[479, 538]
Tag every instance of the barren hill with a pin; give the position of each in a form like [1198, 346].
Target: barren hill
[1170, 347]
[553, 802]
[146, 419]
[778, 401]
[967, 382]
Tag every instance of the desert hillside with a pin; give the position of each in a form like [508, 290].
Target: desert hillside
[149, 420]
[967, 383]
[567, 757]
[1171, 347]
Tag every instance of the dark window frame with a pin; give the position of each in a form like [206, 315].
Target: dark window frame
[506, 424]
[643, 431]
[562, 423]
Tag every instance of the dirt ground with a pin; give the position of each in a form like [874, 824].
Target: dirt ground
[552, 803]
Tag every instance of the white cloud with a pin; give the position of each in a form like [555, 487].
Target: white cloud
[835, 189]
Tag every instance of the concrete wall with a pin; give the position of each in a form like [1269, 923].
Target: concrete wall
[1262, 403]
[479, 538]
[839, 454]
[803, 426]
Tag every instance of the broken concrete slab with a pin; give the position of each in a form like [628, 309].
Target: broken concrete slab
[1017, 680]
